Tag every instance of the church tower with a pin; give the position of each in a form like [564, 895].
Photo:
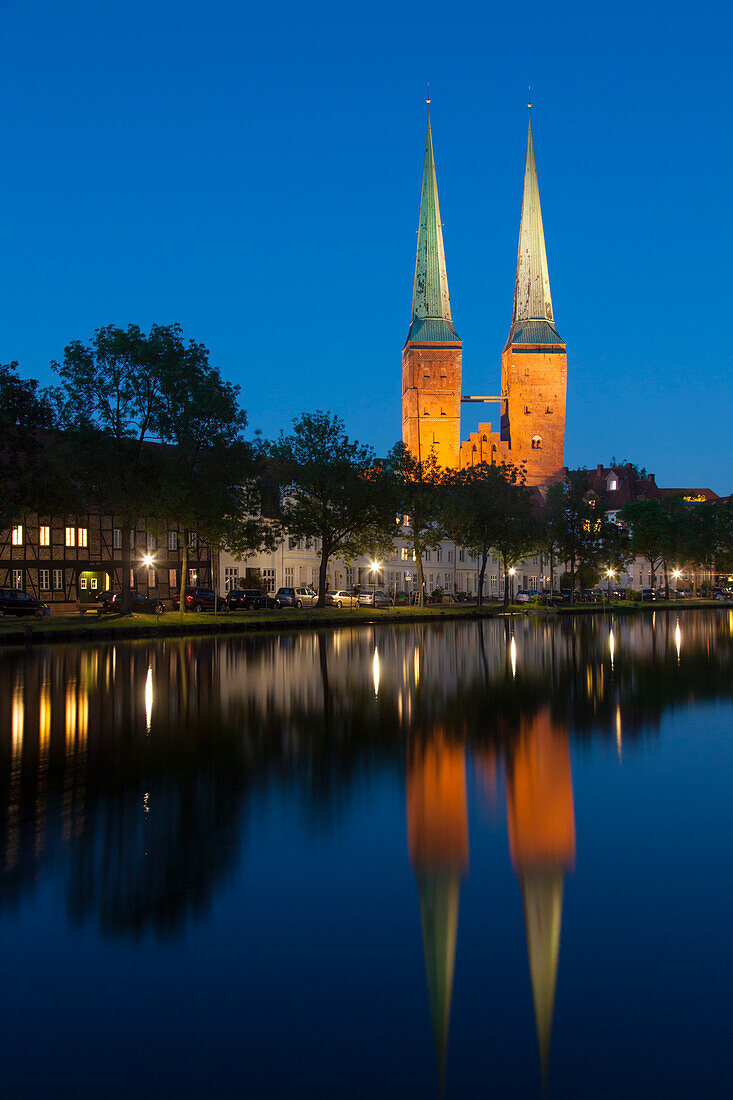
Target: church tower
[534, 360]
[431, 357]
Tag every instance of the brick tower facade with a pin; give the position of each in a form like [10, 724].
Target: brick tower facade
[431, 357]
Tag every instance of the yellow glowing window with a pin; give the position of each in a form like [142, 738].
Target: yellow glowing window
[17, 536]
[82, 536]
[44, 536]
[71, 536]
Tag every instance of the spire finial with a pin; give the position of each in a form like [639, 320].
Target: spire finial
[428, 96]
[529, 97]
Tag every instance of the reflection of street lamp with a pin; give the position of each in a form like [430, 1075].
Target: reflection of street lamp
[512, 571]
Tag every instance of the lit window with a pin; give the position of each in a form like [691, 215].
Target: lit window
[612, 485]
[151, 578]
[44, 536]
[172, 540]
[82, 583]
[17, 535]
[117, 538]
[173, 577]
[93, 582]
[71, 536]
[193, 577]
[403, 553]
[82, 536]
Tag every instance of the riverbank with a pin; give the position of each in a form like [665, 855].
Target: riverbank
[68, 628]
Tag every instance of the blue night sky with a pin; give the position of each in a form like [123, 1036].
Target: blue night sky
[253, 172]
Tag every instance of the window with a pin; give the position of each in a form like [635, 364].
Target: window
[439, 554]
[194, 540]
[289, 576]
[528, 409]
[173, 578]
[44, 580]
[117, 538]
[17, 535]
[81, 536]
[231, 577]
[58, 580]
[70, 536]
[17, 575]
[193, 577]
[93, 582]
[461, 555]
[151, 579]
[448, 582]
[132, 539]
[292, 543]
[152, 542]
[82, 584]
[132, 578]
[406, 521]
[403, 553]
[450, 555]
[427, 555]
[612, 484]
[172, 540]
[536, 442]
[268, 576]
[44, 536]
[548, 409]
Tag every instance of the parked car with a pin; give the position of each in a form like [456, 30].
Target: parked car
[522, 596]
[15, 602]
[342, 599]
[647, 593]
[374, 599]
[245, 599]
[200, 599]
[139, 604]
[295, 597]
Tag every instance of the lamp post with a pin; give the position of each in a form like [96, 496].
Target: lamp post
[148, 560]
[512, 571]
[677, 573]
[374, 569]
[610, 573]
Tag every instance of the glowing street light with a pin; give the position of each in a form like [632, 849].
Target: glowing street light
[512, 573]
[374, 569]
[147, 560]
[610, 573]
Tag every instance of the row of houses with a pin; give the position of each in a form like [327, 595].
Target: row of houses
[66, 561]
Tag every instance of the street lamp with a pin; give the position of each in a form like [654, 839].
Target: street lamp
[610, 573]
[677, 573]
[374, 568]
[512, 571]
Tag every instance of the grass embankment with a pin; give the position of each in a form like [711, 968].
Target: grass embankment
[58, 628]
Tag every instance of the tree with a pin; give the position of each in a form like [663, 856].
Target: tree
[651, 533]
[418, 493]
[490, 511]
[577, 520]
[209, 475]
[333, 489]
[26, 474]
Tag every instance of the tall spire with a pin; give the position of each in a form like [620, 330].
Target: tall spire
[431, 319]
[532, 317]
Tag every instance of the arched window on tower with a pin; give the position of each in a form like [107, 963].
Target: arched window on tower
[536, 442]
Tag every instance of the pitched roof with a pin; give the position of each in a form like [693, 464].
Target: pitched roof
[532, 299]
[430, 300]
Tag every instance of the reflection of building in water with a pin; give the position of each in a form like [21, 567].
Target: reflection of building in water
[437, 830]
[542, 844]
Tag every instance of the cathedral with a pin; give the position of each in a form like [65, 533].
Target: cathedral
[533, 362]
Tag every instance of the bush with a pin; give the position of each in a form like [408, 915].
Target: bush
[633, 595]
[436, 595]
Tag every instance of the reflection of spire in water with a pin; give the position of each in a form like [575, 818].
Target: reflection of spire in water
[375, 671]
[542, 844]
[678, 640]
[513, 652]
[17, 719]
[611, 646]
[437, 830]
[148, 699]
[417, 666]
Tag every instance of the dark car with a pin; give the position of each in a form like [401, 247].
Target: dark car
[200, 599]
[245, 599]
[15, 602]
[139, 604]
[295, 597]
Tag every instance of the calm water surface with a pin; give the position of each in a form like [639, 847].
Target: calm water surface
[471, 859]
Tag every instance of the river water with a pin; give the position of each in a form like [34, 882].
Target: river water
[469, 859]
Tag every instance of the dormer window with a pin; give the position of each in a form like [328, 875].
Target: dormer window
[612, 485]
[536, 443]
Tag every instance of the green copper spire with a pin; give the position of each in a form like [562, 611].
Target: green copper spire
[542, 890]
[532, 318]
[431, 319]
